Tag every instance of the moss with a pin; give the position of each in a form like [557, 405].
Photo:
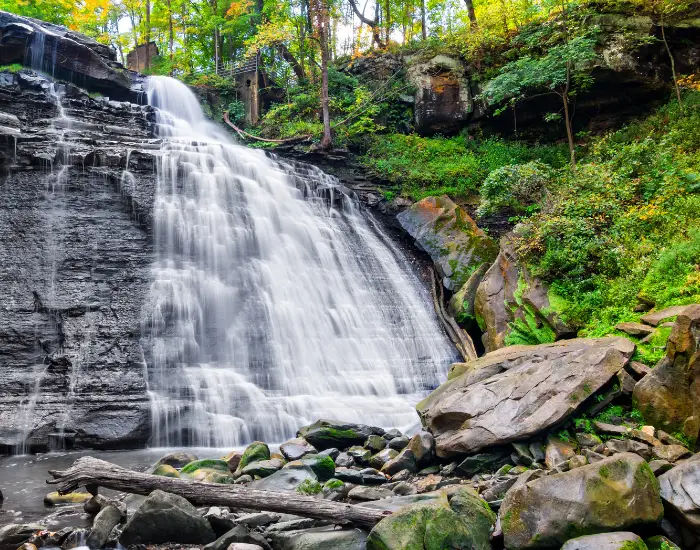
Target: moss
[333, 484]
[530, 328]
[165, 470]
[12, 68]
[633, 545]
[254, 452]
[208, 463]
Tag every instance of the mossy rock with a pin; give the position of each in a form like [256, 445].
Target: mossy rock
[208, 463]
[326, 434]
[321, 465]
[333, 484]
[465, 521]
[218, 477]
[54, 499]
[262, 468]
[165, 470]
[659, 542]
[254, 452]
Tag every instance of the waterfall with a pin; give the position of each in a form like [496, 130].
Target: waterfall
[276, 300]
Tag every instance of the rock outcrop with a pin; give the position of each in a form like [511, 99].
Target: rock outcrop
[669, 397]
[67, 55]
[680, 491]
[71, 363]
[516, 392]
[451, 238]
[512, 307]
[614, 494]
[443, 98]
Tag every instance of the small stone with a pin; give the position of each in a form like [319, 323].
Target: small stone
[401, 476]
[371, 476]
[243, 546]
[404, 488]
[522, 454]
[671, 453]
[55, 499]
[403, 461]
[369, 493]
[344, 460]
[258, 519]
[243, 479]
[592, 456]
[332, 452]
[428, 483]
[537, 451]
[392, 434]
[295, 448]
[359, 454]
[610, 429]
[577, 461]
[233, 459]
[375, 443]
[621, 540]
[557, 452]
[482, 462]
[254, 452]
[382, 457]
[629, 446]
[660, 466]
[399, 443]
[422, 445]
[656, 317]
[659, 542]
[178, 459]
[449, 469]
[626, 382]
[649, 430]
[639, 369]
[668, 439]
[432, 469]
[635, 329]
[165, 470]
[587, 440]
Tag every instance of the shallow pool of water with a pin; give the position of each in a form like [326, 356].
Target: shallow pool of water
[23, 482]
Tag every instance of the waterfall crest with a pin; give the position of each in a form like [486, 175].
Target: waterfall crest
[275, 299]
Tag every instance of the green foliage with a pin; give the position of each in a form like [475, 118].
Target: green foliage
[652, 351]
[236, 111]
[12, 68]
[584, 424]
[515, 188]
[457, 166]
[623, 223]
[309, 487]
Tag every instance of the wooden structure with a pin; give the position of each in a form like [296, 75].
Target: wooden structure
[246, 75]
[141, 56]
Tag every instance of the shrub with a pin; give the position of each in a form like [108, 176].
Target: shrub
[515, 188]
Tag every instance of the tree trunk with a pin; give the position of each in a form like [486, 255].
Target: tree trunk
[423, 26]
[323, 23]
[171, 36]
[147, 63]
[387, 20]
[673, 64]
[93, 473]
[471, 12]
[293, 63]
[373, 24]
[569, 130]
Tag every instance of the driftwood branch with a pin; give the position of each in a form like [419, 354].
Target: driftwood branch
[246, 135]
[92, 472]
[459, 337]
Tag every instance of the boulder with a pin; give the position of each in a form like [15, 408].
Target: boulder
[382, 457]
[296, 448]
[606, 541]
[668, 397]
[106, 520]
[443, 100]
[177, 459]
[655, 318]
[239, 534]
[635, 329]
[680, 491]
[405, 460]
[375, 443]
[513, 307]
[257, 450]
[320, 538]
[286, 479]
[211, 464]
[54, 498]
[398, 443]
[614, 494]
[164, 517]
[422, 446]
[670, 453]
[165, 470]
[321, 465]
[369, 493]
[324, 434]
[262, 468]
[483, 462]
[659, 542]
[514, 393]
[463, 521]
[451, 238]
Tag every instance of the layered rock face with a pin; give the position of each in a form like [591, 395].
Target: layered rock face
[67, 55]
[75, 239]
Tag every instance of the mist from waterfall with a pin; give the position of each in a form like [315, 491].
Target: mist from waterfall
[275, 299]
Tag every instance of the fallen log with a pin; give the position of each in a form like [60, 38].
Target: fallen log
[93, 473]
[245, 135]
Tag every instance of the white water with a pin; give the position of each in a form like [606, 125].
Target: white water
[275, 300]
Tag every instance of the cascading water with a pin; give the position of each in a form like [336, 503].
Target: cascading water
[275, 300]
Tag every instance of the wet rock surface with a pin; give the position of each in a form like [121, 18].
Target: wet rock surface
[71, 367]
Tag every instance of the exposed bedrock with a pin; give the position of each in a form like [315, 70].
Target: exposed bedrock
[71, 367]
[67, 55]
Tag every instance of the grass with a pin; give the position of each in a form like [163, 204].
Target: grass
[13, 68]
[457, 166]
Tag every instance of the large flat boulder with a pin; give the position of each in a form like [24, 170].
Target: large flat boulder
[451, 238]
[680, 491]
[606, 541]
[614, 494]
[320, 538]
[327, 434]
[513, 307]
[514, 393]
[669, 396]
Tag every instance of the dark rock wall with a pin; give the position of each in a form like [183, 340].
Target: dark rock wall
[76, 251]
